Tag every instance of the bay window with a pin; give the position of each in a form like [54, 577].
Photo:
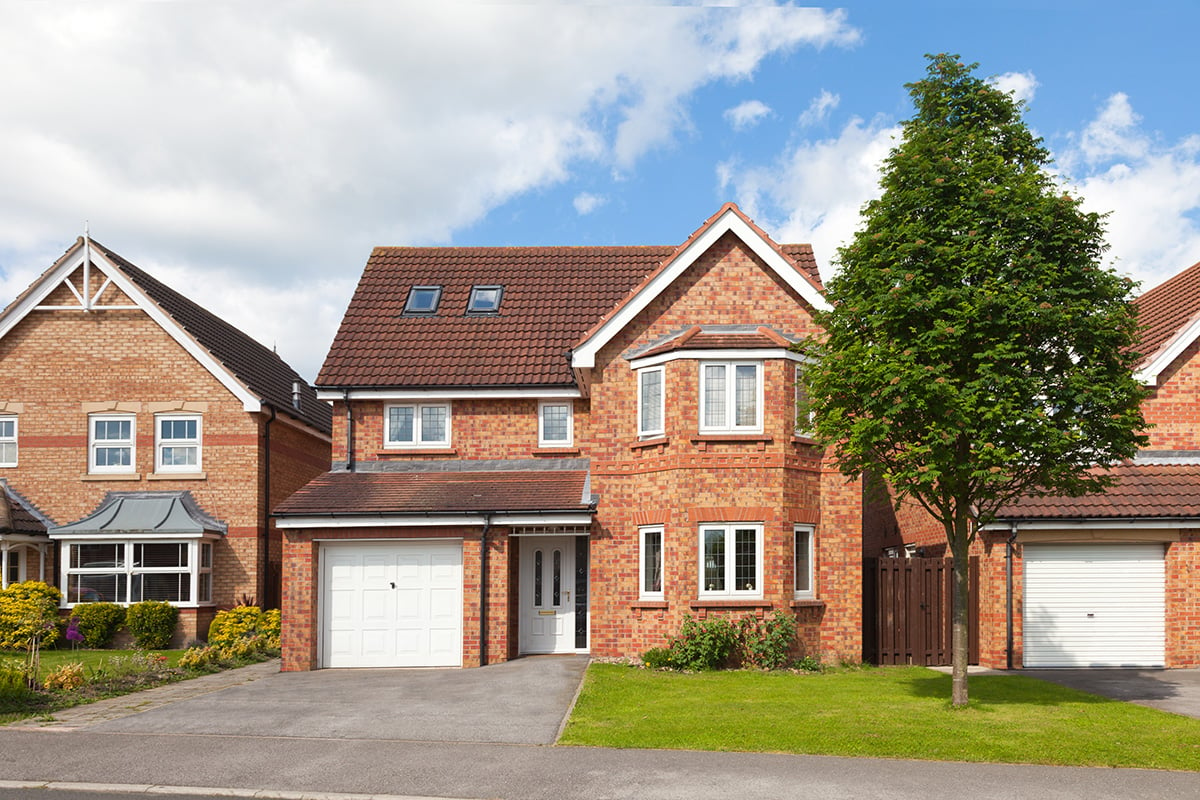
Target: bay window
[803, 554]
[650, 402]
[650, 563]
[130, 571]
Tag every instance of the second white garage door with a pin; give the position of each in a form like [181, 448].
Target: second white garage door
[1094, 605]
[392, 605]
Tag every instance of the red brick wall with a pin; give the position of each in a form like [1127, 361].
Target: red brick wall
[56, 366]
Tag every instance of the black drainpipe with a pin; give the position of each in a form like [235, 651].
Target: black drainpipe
[483, 582]
[1008, 589]
[266, 599]
[349, 431]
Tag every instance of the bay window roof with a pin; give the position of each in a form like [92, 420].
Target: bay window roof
[175, 514]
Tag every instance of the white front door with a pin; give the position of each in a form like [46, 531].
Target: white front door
[548, 594]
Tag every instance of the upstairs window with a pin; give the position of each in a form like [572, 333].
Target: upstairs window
[650, 402]
[730, 397]
[555, 423]
[485, 299]
[806, 418]
[417, 425]
[177, 448]
[110, 443]
[8, 441]
[423, 299]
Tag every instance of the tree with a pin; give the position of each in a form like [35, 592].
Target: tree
[976, 349]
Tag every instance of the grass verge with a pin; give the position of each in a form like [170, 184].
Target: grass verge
[888, 712]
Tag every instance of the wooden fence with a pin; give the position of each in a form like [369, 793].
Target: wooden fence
[906, 610]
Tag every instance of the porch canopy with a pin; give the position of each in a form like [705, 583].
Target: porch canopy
[174, 515]
[22, 537]
[526, 492]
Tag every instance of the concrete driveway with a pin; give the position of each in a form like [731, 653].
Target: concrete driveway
[1174, 690]
[524, 701]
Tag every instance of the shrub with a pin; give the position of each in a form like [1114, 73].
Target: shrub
[99, 622]
[239, 623]
[65, 678]
[810, 664]
[657, 658]
[767, 643]
[152, 623]
[707, 644]
[14, 684]
[28, 615]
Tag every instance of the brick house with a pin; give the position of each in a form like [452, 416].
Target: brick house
[143, 441]
[1111, 579]
[567, 449]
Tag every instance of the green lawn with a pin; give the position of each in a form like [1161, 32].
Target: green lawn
[888, 712]
[91, 659]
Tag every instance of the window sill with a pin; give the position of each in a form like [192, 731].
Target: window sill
[800, 438]
[177, 476]
[111, 476]
[417, 451]
[644, 444]
[807, 602]
[703, 440]
[730, 603]
[649, 604]
[556, 451]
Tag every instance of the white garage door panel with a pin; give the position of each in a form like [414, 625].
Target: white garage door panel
[1094, 605]
[392, 605]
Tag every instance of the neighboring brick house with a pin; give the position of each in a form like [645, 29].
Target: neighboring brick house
[1113, 579]
[143, 441]
[568, 449]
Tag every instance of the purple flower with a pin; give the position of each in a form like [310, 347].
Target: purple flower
[73, 634]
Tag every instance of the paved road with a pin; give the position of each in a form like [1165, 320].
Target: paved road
[302, 745]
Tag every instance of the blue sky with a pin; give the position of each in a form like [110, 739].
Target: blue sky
[251, 156]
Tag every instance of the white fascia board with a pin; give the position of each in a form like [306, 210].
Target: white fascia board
[250, 402]
[585, 356]
[1182, 340]
[432, 520]
[126, 536]
[451, 394]
[748, 354]
[1097, 524]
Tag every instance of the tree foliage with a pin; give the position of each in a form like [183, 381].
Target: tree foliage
[977, 349]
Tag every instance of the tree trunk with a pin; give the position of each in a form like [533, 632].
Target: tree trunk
[960, 622]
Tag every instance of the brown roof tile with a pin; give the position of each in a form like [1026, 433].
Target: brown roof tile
[23, 515]
[1167, 308]
[355, 493]
[1142, 491]
[552, 296]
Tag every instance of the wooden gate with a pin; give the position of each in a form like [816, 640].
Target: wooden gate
[906, 611]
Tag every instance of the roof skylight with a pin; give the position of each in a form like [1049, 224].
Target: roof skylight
[485, 299]
[423, 299]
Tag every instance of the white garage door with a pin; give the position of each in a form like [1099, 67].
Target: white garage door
[392, 605]
[1094, 605]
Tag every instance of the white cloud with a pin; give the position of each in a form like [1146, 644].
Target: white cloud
[1150, 187]
[253, 147]
[814, 190]
[586, 202]
[746, 115]
[1021, 85]
[818, 110]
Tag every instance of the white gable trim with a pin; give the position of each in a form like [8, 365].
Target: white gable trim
[1166, 355]
[584, 357]
[99, 262]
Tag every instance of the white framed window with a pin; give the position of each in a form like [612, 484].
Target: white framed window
[8, 441]
[556, 426]
[111, 443]
[802, 536]
[650, 563]
[650, 402]
[731, 560]
[731, 396]
[417, 425]
[129, 571]
[177, 443]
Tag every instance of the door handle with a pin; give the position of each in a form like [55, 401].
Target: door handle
[393, 584]
[567, 596]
